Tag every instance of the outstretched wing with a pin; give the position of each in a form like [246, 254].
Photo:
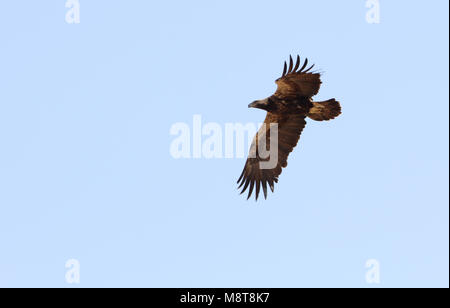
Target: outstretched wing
[297, 82]
[254, 176]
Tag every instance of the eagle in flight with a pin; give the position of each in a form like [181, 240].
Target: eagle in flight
[287, 110]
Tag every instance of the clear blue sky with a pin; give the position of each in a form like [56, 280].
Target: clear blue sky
[85, 169]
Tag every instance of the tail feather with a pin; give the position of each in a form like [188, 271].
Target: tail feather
[324, 111]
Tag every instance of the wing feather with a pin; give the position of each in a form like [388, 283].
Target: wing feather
[299, 83]
[253, 176]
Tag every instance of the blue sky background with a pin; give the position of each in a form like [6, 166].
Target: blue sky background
[85, 169]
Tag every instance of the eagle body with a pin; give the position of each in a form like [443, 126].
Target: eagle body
[288, 108]
[279, 106]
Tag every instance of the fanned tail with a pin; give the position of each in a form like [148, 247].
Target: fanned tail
[324, 111]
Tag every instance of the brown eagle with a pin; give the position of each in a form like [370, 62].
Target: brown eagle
[287, 109]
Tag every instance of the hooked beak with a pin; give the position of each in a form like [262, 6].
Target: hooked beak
[262, 104]
[253, 105]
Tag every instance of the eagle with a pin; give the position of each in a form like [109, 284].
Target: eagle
[287, 110]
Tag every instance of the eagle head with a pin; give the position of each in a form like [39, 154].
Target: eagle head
[265, 104]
